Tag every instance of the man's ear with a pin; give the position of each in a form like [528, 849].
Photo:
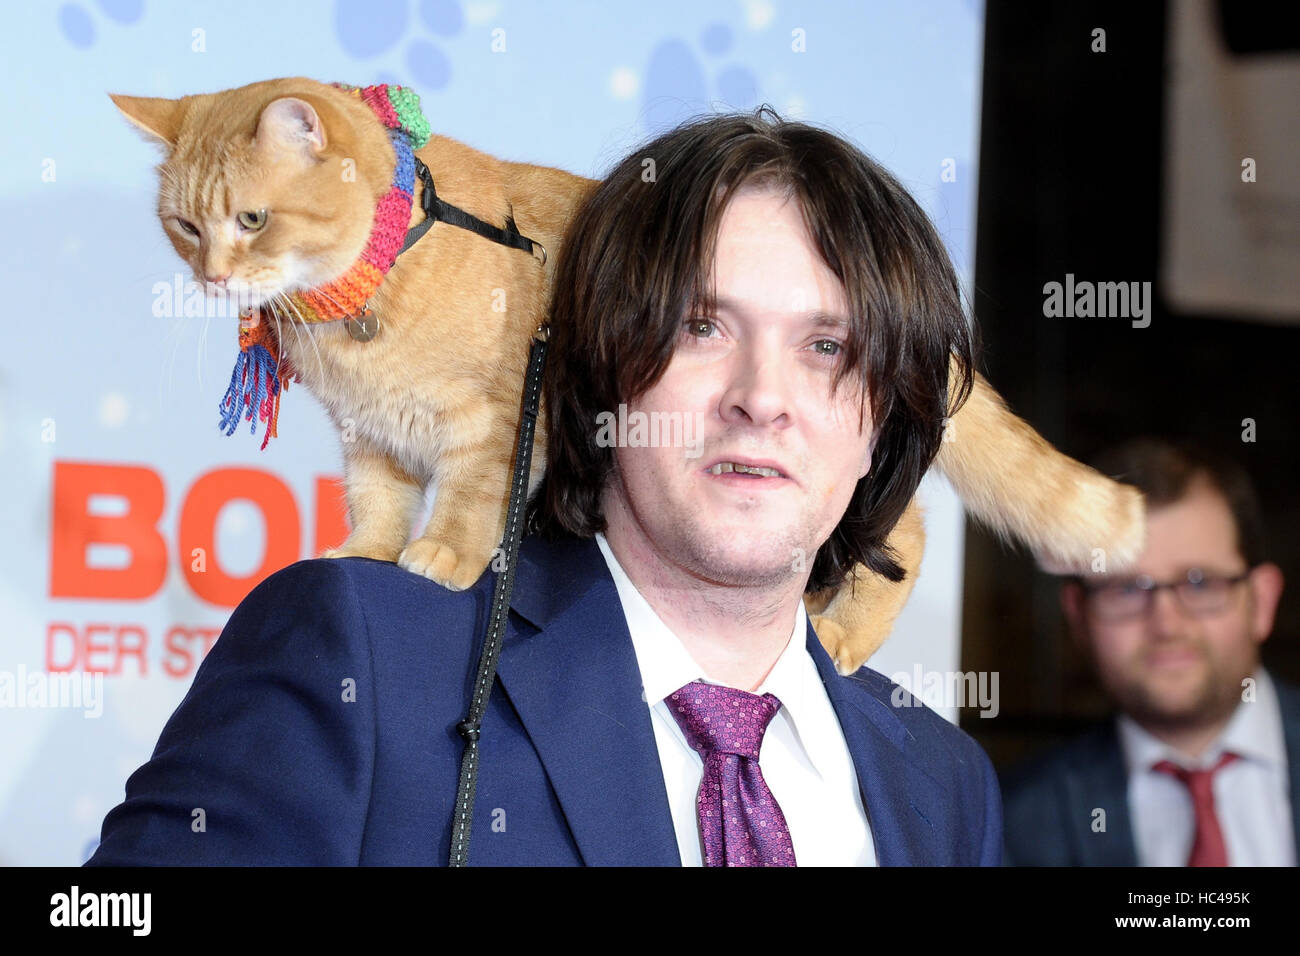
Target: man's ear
[1265, 583]
[865, 468]
[157, 119]
[1076, 622]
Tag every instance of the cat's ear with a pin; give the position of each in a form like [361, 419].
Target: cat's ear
[290, 125]
[158, 119]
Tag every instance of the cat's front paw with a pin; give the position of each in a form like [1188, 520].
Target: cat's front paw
[440, 563]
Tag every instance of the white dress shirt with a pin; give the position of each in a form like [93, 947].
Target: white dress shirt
[1251, 795]
[804, 757]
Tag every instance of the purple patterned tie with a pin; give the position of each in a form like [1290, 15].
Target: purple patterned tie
[740, 820]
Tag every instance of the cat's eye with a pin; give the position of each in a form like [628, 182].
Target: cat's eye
[252, 220]
[187, 226]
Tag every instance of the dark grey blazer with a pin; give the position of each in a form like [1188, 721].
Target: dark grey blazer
[1048, 801]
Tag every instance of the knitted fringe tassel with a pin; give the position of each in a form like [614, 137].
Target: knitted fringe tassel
[256, 383]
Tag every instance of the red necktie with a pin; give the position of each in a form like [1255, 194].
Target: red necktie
[1208, 848]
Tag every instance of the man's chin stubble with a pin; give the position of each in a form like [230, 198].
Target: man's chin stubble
[1153, 708]
[711, 561]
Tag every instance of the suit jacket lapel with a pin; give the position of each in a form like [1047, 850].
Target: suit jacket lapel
[1288, 702]
[575, 684]
[909, 825]
[1099, 780]
[569, 665]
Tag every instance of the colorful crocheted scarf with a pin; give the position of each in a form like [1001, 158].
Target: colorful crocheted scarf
[261, 373]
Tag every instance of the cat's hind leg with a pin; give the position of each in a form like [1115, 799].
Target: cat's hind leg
[383, 502]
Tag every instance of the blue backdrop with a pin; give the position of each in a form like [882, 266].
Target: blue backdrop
[96, 388]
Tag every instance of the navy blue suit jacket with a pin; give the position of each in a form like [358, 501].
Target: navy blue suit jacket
[288, 768]
[1050, 799]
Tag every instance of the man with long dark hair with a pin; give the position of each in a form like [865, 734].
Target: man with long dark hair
[662, 697]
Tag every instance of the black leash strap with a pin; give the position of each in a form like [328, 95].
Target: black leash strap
[438, 210]
[487, 663]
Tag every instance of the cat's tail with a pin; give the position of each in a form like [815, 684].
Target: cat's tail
[1073, 518]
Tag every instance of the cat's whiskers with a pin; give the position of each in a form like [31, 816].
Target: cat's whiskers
[279, 327]
[275, 309]
[276, 316]
[203, 347]
[177, 325]
[320, 364]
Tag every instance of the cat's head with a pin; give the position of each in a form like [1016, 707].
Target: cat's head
[266, 188]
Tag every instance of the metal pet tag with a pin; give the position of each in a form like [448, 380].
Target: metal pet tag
[363, 327]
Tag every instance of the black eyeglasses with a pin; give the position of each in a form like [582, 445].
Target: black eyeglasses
[1199, 593]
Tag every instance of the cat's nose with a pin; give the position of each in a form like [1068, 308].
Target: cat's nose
[217, 280]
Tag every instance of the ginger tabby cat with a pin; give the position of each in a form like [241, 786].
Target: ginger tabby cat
[253, 198]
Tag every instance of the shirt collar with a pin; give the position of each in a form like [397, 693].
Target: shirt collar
[1253, 731]
[666, 665]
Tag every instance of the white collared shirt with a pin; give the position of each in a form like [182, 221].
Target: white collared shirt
[1251, 795]
[804, 756]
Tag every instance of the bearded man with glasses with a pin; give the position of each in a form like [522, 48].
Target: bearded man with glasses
[1201, 766]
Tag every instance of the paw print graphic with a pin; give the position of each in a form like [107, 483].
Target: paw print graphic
[367, 28]
[675, 84]
[78, 26]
